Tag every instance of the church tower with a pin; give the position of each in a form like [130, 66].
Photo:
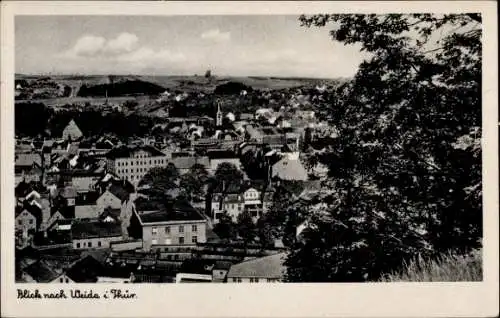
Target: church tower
[218, 119]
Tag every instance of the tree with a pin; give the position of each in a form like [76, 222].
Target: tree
[225, 229]
[161, 180]
[246, 228]
[208, 74]
[193, 183]
[406, 165]
[227, 174]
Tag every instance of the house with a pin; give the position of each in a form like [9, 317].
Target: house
[195, 271]
[254, 197]
[112, 197]
[185, 163]
[28, 173]
[85, 270]
[289, 169]
[95, 234]
[66, 196]
[71, 132]
[173, 222]
[133, 163]
[82, 180]
[267, 269]
[86, 206]
[216, 157]
[28, 219]
[42, 272]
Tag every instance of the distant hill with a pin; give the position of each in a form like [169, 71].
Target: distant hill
[121, 88]
[231, 88]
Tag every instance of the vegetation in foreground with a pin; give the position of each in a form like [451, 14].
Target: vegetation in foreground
[448, 267]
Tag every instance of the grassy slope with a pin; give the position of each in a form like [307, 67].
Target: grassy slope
[448, 268]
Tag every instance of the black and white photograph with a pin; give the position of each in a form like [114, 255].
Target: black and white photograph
[326, 147]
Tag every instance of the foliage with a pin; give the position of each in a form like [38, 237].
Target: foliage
[406, 167]
[246, 227]
[227, 174]
[193, 183]
[448, 267]
[225, 229]
[124, 88]
[161, 180]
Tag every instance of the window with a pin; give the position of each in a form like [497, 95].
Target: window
[99, 243]
[90, 244]
[77, 245]
[154, 231]
[194, 228]
[167, 229]
[181, 240]
[239, 280]
[234, 280]
[60, 280]
[194, 239]
[20, 222]
[270, 280]
[67, 280]
[251, 280]
[181, 228]
[256, 280]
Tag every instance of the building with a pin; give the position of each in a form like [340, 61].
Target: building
[185, 162]
[71, 132]
[28, 219]
[267, 269]
[173, 222]
[112, 198]
[133, 163]
[95, 234]
[82, 180]
[216, 157]
[288, 168]
[254, 197]
[42, 272]
[86, 206]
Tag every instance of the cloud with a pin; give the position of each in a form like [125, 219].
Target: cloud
[216, 35]
[147, 55]
[121, 52]
[94, 46]
[87, 45]
[125, 42]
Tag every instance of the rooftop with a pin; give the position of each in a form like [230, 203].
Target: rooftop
[93, 229]
[263, 267]
[177, 210]
[127, 152]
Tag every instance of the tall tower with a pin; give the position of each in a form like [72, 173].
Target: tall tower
[218, 119]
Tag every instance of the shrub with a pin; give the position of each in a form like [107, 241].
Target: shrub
[448, 267]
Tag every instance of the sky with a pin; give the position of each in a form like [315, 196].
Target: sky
[180, 45]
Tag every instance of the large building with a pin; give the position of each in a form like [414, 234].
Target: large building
[133, 163]
[168, 223]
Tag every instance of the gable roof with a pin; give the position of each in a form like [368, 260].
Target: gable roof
[118, 191]
[94, 229]
[263, 267]
[42, 272]
[287, 169]
[85, 270]
[72, 131]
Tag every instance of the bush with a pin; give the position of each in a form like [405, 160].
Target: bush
[446, 268]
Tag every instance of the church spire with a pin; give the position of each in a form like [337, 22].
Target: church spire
[218, 119]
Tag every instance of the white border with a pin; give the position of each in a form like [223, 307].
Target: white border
[297, 300]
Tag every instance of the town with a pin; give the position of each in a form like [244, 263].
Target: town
[184, 202]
